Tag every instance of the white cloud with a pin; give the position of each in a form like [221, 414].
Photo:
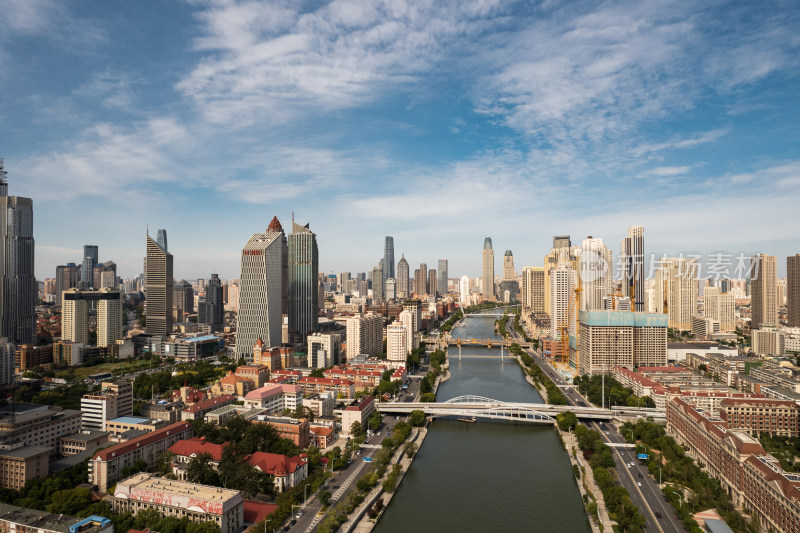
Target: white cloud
[670, 171]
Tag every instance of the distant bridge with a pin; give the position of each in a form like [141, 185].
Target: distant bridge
[489, 343]
[489, 409]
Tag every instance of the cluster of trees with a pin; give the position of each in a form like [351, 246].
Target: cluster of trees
[199, 374]
[500, 326]
[618, 502]
[417, 418]
[521, 331]
[68, 396]
[438, 358]
[679, 470]
[784, 449]
[390, 483]
[415, 357]
[380, 463]
[387, 386]
[554, 394]
[448, 324]
[616, 393]
[566, 421]
[246, 436]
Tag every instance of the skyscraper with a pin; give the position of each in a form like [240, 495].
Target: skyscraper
[442, 277]
[183, 299]
[388, 258]
[377, 282]
[402, 278]
[793, 290]
[764, 299]
[75, 315]
[720, 306]
[432, 282]
[423, 274]
[508, 266]
[463, 290]
[261, 290]
[632, 260]
[303, 285]
[210, 307]
[67, 277]
[563, 280]
[676, 290]
[488, 269]
[159, 289]
[533, 289]
[90, 259]
[17, 284]
[161, 239]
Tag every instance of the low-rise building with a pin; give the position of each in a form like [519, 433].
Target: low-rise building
[15, 519]
[123, 424]
[83, 441]
[232, 384]
[199, 410]
[169, 410]
[321, 404]
[343, 387]
[259, 374]
[288, 472]
[322, 436]
[105, 466]
[37, 425]
[754, 416]
[223, 414]
[288, 428]
[358, 411]
[362, 379]
[20, 463]
[197, 503]
[185, 450]
[275, 397]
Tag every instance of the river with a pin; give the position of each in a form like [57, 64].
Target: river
[487, 476]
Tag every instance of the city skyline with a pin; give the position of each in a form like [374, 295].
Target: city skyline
[583, 111]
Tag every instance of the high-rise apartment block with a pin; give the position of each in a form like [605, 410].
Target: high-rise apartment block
[75, 315]
[764, 298]
[397, 347]
[303, 285]
[596, 273]
[562, 252]
[364, 335]
[676, 290]
[402, 278]
[160, 285]
[210, 307]
[793, 290]
[18, 290]
[632, 261]
[720, 307]
[487, 276]
[261, 293]
[563, 281]
[463, 290]
[324, 350]
[433, 282]
[443, 281]
[533, 289]
[616, 338]
[377, 283]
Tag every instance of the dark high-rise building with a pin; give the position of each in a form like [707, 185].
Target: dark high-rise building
[160, 285]
[562, 241]
[793, 290]
[161, 239]
[432, 283]
[210, 307]
[18, 288]
[423, 274]
[183, 294]
[90, 259]
[67, 277]
[442, 285]
[388, 258]
[303, 285]
[377, 282]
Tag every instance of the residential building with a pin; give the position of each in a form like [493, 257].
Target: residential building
[222, 415]
[397, 344]
[293, 429]
[764, 299]
[704, 328]
[377, 283]
[303, 274]
[463, 290]
[106, 465]
[20, 463]
[123, 424]
[793, 290]
[487, 277]
[358, 411]
[85, 441]
[533, 289]
[160, 285]
[676, 290]
[768, 341]
[75, 308]
[364, 335]
[756, 416]
[67, 277]
[720, 306]
[198, 411]
[563, 282]
[18, 288]
[321, 404]
[615, 338]
[275, 397]
[20, 519]
[312, 385]
[324, 350]
[595, 273]
[403, 289]
[180, 499]
[632, 261]
[169, 410]
[263, 290]
[114, 400]
[433, 281]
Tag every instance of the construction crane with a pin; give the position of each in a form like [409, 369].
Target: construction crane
[564, 330]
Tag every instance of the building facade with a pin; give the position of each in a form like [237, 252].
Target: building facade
[160, 285]
[487, 276]
[616, 338]
[303, 274]
[764, 288]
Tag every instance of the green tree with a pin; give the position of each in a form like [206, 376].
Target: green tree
[356, 429]
[410, 449]
[417, 418]
[325, 498]
[318, 373]
[425, 386]
[201, 470]
[428, 397]
[566, 420]
[375, 420]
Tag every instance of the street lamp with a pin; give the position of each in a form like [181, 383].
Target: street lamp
[631, 432]
[659, 476]
[679, 496]
[305, 495]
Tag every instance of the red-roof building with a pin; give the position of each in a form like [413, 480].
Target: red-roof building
[105, 466]
[255, 512]
[310, 385]
[287, 471]
[198, 411]
[753, 415]
[323, 436]
[184, 450]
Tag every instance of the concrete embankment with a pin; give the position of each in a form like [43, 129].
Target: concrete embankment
[359, 521]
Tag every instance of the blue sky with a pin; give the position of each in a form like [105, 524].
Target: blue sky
[436, 122]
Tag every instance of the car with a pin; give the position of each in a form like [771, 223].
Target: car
[629, 465]
[299, 514]
[293, 522]
[639, 483]
[641, 476]
[658, 515]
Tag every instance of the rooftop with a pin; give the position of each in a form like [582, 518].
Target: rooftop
[191, 496]
[40, 520]
[25, 452]
[130, 420]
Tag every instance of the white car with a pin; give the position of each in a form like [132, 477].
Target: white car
[639, 483]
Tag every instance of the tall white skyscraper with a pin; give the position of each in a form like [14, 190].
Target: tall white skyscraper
[487, 278]
[262, 288]
[596, 273]
[764, 292]
[407, 319]
[563, 281]
[18, 289]
[532, 292]
[720, 306]
[463, 290]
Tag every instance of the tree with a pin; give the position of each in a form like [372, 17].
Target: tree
[417, 418]
[410, 449]
[164, 464]
[424, 386]
[325, 498]
[303, 411]
[566, 420]
[375, 420]
[356, 429]
[318, 373]
[201, 470]
[428, 397]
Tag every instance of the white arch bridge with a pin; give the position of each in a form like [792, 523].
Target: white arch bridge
[489, 409]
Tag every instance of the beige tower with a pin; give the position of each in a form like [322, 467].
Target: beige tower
[533, 289]
[793, 290]
[764, 301]
[488, 270]
[676, 290]
[159, 289]
[508, 266]
[720, 306]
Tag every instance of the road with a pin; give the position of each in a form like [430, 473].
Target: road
[648, 498]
